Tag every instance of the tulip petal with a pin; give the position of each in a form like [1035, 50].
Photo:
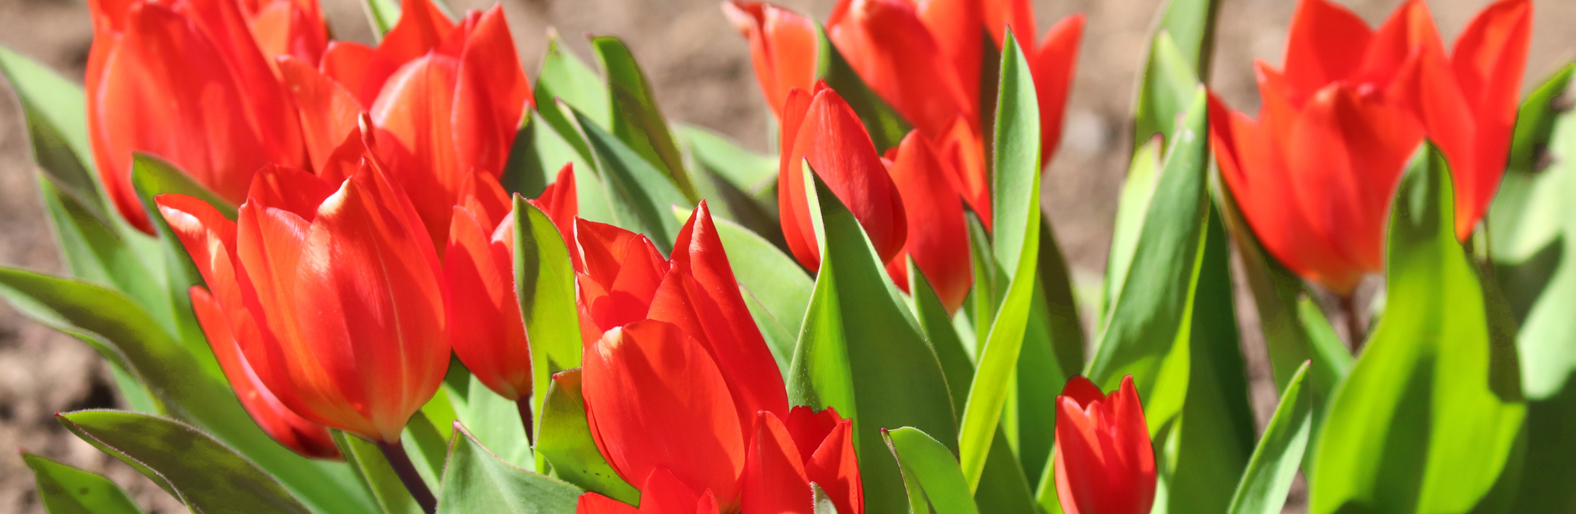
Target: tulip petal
[622, 273]
[283, 28]
[958, 27]
[483, 314]
[561, 203]
[784, 47]
[835, 467]
[1489, 60]
[489, 97]
[328, 111]
[593, 503]
[359, 69]
[1324, 44]
[774, 475]
[1409, 29]
[1053, 65]
[422, 27]
[835, 143]
[940, 242]
[1016, 14]
[792, 205]
[283, 425]
[416, 110]
[889, 47]
[659, 401]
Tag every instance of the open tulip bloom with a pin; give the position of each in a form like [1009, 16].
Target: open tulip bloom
[333, 277]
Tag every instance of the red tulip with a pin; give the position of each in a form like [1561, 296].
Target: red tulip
[186, 81]
[1105, 463]
[287, 27]
[1314, 175]
[783, 47]
[447, 98]
[820, 128]
[279, 422]
[941, 249]
[678, 383]
[332, 291]
[484, 320]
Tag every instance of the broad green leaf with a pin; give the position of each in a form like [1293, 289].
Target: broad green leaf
[1003, 487]
[748, 171]
[1131, 208]
[640, 195]
[56, 114]
[860, 352]
[939, 332]
[198, 470]
[1430, 382]
[128, 337]
[382, 14]
[1216, 431]
[1180, 53]
[68, 490]
[495, 421]
[1148, 313]
[566, 77]
[150, 177]
[1535, 122]
[885, 125]
[636, 119]
[1269, 475]
[823, 503]
[930, 465]
[369, 464]
[529, 169]
[552, 148]
[776, 289]
[1053, 351]
[1016, 161]
[477, 481]
[545, 283]
[566, 442]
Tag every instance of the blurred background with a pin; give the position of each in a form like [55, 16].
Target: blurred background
[700, 68]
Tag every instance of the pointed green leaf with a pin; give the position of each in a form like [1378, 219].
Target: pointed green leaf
[641, 196]
[1269, 475]
[566, 77]
[748, 171]
[860, 352]
[56, 113]
[1430, 382]
[545, 282]
[566, 442]
[1137, 191]
[150, 177]
[68, 490]
[198, 470]
[636, 119]
[475, 480]
[932, 468]
[1179, 54]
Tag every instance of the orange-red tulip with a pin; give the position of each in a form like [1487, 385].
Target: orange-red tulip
[187, 81]
[783, 45]
[484, 320]
[1105, 463]
[939, 240]
[1315, 173]
[332, 292]
[448, 98]
[820, 128]
[680, 386]
[279, 422]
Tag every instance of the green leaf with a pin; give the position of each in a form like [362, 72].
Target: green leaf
[1430, 383]
[552, 148]
[545, 283]
[478, 481]
[382, 14]
[939, 332]
[641, 195]
[1131, 207]
[637, 121]
[150, 177]
[1535, 120]
[929, 465]
[1053, 351]
[861, 353]
[566, 77]
[748, 171]
[1269, 475]
[775, 288]
[495, 421]
[426, 447]
[1179, 54]
[198, 470]
[823, 503]
[1016, 161]
[566, 442]
[1147, 315]
[68, 490]
[56, 114]
[131, 339]
[369, 464]
[885, 125]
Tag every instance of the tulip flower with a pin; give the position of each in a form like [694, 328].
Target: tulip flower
[821, 129]
[681, 392]
[941, 247]
[279, 422]
[188, 82]
[332, 292]
[1314, 174]
[448, 98]
[925, 61]
[484, 320]
[1105, 463]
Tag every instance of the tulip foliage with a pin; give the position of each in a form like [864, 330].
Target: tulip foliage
[397, 278]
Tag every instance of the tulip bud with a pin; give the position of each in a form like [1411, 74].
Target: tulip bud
[1105, 463]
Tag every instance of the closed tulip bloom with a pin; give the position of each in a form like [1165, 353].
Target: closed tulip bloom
[820, 128]
[332, 291]
[784, 48]
[445, 98]
[187, 82]
[484, 320]
[1105, 463]
[279, 422]
[1314, 174]
[679, 384]
[941, 248]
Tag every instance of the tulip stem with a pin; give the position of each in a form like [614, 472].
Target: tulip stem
[1355, 331]
[524, 404]
[400, 461]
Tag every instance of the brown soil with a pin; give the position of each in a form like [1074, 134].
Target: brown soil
[702, 75]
